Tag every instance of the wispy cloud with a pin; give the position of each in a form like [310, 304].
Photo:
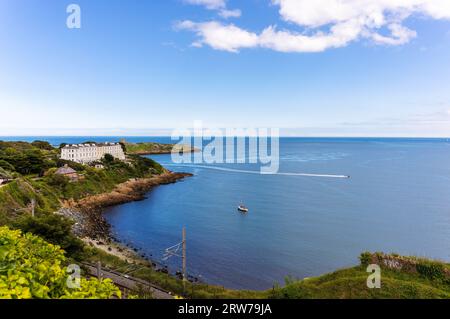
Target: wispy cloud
[236, 13]
[217, 5]
[323, 24]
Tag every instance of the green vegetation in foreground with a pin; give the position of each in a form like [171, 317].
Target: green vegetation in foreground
[154, 148]
[33, 268]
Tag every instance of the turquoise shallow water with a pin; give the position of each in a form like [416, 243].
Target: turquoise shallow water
[397, 200]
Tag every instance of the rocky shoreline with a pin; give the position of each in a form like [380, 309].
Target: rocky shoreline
[87, 213]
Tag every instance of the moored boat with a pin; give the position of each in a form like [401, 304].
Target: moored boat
[242, 209]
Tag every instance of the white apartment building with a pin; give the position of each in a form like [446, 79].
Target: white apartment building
[88, 153]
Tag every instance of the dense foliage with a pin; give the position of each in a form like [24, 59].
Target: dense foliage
[5, 174]
[54, 229]
[33, 268]
[26, 158]
[43, 145]
[6, 166]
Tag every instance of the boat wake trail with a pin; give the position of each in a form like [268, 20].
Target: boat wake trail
[256, 172]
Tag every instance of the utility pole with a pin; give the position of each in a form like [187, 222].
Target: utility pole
[184, 260]
[99, 270]
[174, 251]
[33, 204]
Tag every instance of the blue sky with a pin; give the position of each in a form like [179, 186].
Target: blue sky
[134, 68]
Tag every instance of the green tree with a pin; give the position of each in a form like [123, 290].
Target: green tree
[58, 181]
[55, 229]
[27, 162]
[108, 159]
[5, 165]
[42, 145]
[5, 174]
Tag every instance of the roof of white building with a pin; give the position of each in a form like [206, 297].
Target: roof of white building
[76, 146]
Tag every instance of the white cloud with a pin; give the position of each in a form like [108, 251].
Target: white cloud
[219, 5]
[288, 41]
[221, 37]
[320, 24]
[209, 4]
[230, 13]
[399, 35]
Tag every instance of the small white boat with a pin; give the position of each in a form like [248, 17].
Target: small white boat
[242, 209]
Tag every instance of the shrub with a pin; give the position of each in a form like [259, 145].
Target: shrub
[144, 165]
[108, 159]
[365, 258]
[76, 166]
[27, 162]
[32, 268]
[6, 166]
[55, 229]
[431, 270]
[58, 181]
[42, 145]
[5, 174]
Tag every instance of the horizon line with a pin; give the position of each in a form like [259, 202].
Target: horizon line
[224, 136]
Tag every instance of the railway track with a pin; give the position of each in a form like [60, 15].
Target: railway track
[127, 282]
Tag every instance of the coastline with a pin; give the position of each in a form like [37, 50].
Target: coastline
[92, 227]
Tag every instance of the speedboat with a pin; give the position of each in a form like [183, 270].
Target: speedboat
[242, 209]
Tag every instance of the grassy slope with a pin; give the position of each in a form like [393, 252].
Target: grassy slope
[351, 283]
[15, 198]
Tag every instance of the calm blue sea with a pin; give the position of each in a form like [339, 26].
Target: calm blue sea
[397, 200]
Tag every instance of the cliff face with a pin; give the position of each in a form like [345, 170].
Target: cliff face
[95, 226]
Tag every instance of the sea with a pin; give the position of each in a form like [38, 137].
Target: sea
[397, 199]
